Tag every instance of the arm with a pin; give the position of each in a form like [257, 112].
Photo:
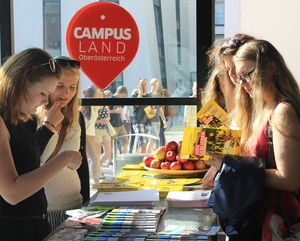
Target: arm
[43, 135]
[162, 115]
[14, 188]
[83, 170]
[286, 141]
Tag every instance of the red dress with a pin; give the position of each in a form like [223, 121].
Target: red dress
[288, 201]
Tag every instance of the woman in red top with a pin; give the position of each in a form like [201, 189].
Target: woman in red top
[262, 72]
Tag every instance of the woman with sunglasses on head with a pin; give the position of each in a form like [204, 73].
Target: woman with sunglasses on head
[221, 85]
[274, 133]
[26, 79]
[70, 188]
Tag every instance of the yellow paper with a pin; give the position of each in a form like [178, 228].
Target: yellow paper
[212, 115]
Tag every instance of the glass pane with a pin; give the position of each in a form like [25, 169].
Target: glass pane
[52, 36]
[167, 49]
[130, 145]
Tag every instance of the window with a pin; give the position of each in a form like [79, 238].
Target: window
[170, 35]
[52, 36]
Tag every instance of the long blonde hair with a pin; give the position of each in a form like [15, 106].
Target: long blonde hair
[271, 74]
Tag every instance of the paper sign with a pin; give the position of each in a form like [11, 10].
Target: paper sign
[104, 37]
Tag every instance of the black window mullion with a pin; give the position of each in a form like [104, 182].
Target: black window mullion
[139, 101]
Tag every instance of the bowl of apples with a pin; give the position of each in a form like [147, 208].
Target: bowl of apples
[167, 161]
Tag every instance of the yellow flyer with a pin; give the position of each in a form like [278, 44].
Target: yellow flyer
[148, 110]
[200, 140]
[212, 115]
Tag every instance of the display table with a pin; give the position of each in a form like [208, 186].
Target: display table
[191, 218]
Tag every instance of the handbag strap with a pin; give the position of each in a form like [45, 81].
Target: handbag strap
[59, 143]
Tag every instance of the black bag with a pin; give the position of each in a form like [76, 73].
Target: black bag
[239, 186]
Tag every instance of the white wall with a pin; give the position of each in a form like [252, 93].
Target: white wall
[276, 21]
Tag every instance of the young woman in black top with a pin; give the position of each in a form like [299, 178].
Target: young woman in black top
[26, 79]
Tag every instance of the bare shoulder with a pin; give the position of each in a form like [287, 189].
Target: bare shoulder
[286, 116]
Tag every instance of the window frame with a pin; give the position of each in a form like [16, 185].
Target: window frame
[205, 33]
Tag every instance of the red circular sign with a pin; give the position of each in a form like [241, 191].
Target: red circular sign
[104, 37]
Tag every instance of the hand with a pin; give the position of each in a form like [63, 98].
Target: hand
[54, 114]
[73, 159]
[165, 124]
[209, 178]
[216, 160]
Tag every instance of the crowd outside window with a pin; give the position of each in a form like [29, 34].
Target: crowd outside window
[154, 124]
[139, 116]
[128, 113]
[27, 78]
[116, 120]
[103, 138]
[68, 188]
[90, 114]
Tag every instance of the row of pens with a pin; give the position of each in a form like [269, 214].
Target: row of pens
[140, 225]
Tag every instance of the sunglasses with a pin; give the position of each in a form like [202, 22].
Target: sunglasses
[52, 65]
[231, 43]
[65, 62]
[246, 78]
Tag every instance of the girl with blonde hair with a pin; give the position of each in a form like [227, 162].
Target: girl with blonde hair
[69, 189]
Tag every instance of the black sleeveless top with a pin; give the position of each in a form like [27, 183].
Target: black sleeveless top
[26, 155]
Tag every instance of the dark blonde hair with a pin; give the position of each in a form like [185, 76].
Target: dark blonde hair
[26, 67]
[122, 90]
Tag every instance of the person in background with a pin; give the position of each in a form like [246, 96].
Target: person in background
[69, 188]
[103, 138]
[117, 121]
[154, 123]
[27, 78]
[129, 116]
[107, 94]
[139, 116]
[90, 114]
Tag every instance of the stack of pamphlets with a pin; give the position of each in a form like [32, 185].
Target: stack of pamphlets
[132, 198]
[188, 199]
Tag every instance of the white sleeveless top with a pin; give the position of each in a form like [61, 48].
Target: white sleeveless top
[63, 190]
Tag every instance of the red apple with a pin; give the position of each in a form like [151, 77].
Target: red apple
[171, 156]
[180, 159]
[179, 148]
[165, 165]
[172, 146]
[160, 153]
[175, 166]
[199, 165]
[155, 163]
[189, 165]
[147, 160]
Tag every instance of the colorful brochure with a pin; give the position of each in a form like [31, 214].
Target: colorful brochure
[212, 115]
